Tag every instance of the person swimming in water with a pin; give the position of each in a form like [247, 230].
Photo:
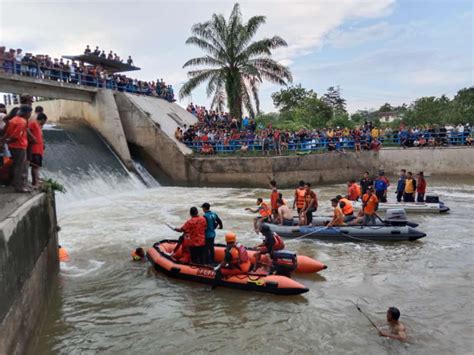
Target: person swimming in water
[397, 329]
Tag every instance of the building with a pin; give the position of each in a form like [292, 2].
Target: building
[389, 116]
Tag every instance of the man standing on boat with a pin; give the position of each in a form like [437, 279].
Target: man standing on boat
[194, 230]
[365, 183]
[401, 185]
[213, 222]
[370, 205]
[420, 187]
[410, 188]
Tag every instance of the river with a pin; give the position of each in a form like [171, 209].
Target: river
[105, 303]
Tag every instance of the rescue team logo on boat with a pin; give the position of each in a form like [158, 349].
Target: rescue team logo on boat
[209, 273]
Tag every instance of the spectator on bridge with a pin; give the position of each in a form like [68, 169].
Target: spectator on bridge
[87, 50]
[130, 60]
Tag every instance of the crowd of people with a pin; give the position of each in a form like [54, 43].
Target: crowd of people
[111, 56]
[42, 66]
[21, 145]
[218, 132]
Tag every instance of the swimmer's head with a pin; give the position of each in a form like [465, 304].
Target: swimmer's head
[393, 314]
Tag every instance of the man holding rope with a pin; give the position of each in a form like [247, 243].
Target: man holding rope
[397, 328]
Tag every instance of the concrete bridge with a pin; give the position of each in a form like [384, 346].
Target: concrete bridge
[18, 84]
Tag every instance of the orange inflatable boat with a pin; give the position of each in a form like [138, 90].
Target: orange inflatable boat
[260, 281]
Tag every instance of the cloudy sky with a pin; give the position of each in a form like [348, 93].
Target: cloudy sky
[377, 51]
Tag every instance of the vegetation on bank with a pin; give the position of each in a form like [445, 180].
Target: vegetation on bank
[235, 64]
[302, 108]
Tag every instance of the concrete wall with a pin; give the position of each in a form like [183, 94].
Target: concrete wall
[287, 170]
[438, 161]
[28, 268]
[147, 125]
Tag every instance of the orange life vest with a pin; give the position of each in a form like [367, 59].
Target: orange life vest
[63, 255]
[265, 211]
[347, 209]
[299, 196]
[279, 244]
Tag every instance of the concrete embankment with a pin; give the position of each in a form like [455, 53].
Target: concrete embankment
[287, 170]
[446, 161]
[28, 266]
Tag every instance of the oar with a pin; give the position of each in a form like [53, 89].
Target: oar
[170, 227]
[365, 315]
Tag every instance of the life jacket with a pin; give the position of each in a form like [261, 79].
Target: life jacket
[347, 209]
[359, 191]
[299, 195]
[409, 187]
[265, 211]
[63, 255]
[242, 258]
[279, 244]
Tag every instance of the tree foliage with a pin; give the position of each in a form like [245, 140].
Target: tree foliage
[235, 64]
[291, 97]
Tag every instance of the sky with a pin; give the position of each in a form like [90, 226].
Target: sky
[376, 51]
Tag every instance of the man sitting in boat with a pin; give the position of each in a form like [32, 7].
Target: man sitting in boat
[285, 216]
[264, 211]
[271, 243]
[346, 208]
[338, 218]
[236, 259]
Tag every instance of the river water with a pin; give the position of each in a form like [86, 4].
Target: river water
[105, 303]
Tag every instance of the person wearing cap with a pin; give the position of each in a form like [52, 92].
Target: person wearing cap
[16, 137]
[194, 233]
[370, 204]
[236, 259]
[213, 222]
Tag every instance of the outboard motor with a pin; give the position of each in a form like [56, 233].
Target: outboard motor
[396, 217]
[432, 199]
[284, 262]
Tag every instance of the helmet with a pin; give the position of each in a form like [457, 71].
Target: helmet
[230, 237]
[265, 229]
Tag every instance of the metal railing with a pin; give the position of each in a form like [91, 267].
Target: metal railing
[324, 144]
[37, 71]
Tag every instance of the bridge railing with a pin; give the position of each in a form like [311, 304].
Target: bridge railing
[37, 71]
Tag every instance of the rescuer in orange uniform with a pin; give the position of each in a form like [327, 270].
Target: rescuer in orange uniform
[264, 214]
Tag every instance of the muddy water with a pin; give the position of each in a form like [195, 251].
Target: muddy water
[107, 304]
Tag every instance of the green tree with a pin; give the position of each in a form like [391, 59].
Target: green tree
[386, 108]
[235, 64]
[334, 99]
[462, 106]
[291, 97]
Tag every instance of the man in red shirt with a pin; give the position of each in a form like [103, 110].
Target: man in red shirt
[194, 233]
[420, 187]
[16, 137]
[37, 147]
[274, 198]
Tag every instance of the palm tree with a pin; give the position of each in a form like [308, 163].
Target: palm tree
[235, 65]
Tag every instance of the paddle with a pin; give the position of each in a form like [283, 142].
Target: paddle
[170, 227]
[365, 315]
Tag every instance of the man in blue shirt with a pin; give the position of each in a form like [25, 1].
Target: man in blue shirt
[381, 186]
[401, 185]
[213, 221]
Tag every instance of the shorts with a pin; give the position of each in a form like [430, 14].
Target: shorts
[287, 222]
[36, 160]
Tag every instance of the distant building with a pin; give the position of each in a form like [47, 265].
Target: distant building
[388, 117]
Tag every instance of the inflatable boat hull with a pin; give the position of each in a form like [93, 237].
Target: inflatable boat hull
[274, 284]
[350, 233]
